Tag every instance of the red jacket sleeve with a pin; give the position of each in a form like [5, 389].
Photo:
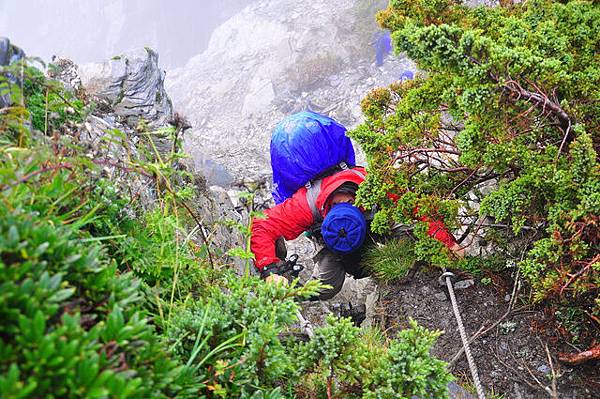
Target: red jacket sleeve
[438, 231]
[436, 228]
[288, 220]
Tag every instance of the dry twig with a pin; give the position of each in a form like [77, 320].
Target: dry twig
[554, 378]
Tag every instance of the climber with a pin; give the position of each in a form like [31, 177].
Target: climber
[323, 207]
[383, 46]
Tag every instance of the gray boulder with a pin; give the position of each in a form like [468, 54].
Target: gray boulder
[65, 71]
[9, 53]
[131, 85]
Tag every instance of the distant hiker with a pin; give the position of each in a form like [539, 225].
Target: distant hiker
[315, 182]
[383, 46]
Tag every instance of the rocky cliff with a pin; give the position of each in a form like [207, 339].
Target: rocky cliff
[128, 92]
[9, 53]
[272, 59]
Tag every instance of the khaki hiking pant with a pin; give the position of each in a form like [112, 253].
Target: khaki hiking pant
[331, 268]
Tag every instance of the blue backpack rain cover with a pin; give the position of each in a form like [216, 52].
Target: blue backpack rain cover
[303, 146]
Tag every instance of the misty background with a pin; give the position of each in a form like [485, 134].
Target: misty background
[96, 30]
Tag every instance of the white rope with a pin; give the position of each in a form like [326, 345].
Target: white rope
[463, 336]
[305, 324]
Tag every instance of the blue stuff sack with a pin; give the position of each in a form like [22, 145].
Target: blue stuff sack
[303, 146]
[344, 228]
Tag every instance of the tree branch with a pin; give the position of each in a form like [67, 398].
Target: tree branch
[540, 99]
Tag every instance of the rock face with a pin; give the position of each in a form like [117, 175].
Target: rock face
[131, 89]
[9, 53]
[131, 85]
[272, 59]
[210, 205]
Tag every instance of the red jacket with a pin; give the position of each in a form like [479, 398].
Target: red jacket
[293, 217]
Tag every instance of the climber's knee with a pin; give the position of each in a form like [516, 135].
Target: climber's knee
[330, 272]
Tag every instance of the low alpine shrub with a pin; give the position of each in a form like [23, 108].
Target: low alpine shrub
[499, 132]
[71, 325]
[343, 360]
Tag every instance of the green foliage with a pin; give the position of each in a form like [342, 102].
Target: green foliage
[49, 104]
[336, 352]
[571, 319]
[72, 326]
[429, 249]
[510, 98]
[408, 370]
[345, 361]
[391, 261]
[232, 338]
[150, 248]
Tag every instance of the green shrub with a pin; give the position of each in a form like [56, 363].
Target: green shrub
[50, 106]
[71, 326]
[336, 355]
[149, 246]
[231, 336]
[345, 361]
[509, 100]
[408, 370]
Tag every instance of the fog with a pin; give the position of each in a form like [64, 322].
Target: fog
[95, 30]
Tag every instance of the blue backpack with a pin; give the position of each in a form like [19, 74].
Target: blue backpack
[305, 146]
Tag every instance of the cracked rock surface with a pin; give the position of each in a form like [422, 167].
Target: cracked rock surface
[131, 84]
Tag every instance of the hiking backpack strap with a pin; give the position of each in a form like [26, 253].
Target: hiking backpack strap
[312, 192]
[331, 171]
[313, 188]
[358, 173]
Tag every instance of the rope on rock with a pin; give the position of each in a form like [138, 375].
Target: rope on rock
[447, 277]
[305, 324]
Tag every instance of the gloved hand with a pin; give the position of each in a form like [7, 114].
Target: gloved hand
[274, 272]
[282, 271]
